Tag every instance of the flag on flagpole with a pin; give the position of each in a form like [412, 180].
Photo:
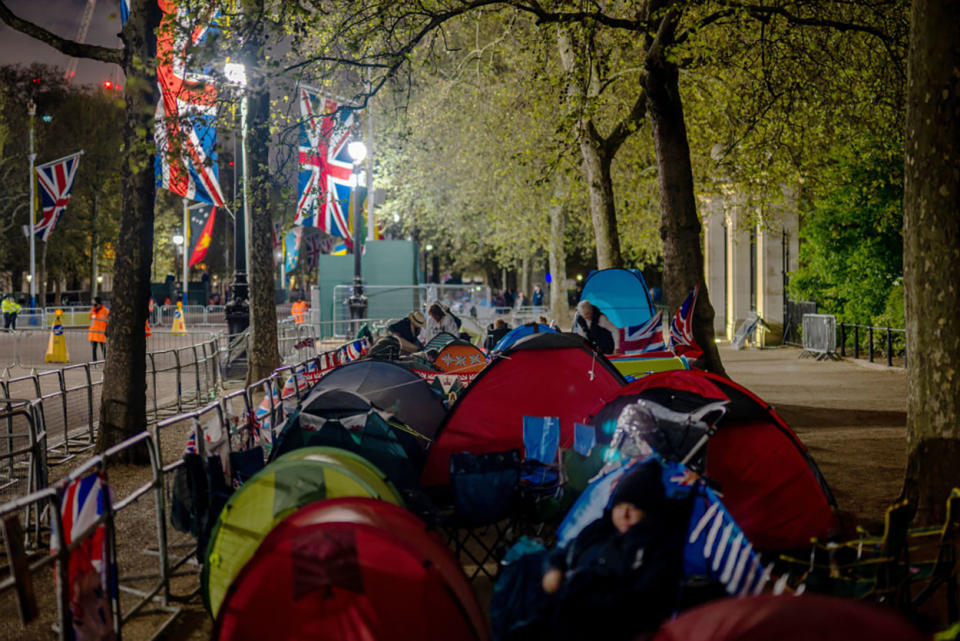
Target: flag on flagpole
[185, 129]
[201, 232]
[56, 180]
[124, 11]
[325, 166]
[682, 341]
[312, 248]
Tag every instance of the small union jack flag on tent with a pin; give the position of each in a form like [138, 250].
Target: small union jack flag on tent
[325, 165]
[681, 328]
[56, 180]
[647, 337]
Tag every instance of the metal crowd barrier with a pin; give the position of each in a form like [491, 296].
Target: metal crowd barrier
[152, 571]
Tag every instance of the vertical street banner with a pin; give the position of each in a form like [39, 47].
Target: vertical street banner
[201, 233]
[292, 248]
[323, 191]
[185, 131]
[56, 181]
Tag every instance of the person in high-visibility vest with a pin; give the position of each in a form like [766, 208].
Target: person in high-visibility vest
[146, 327]
[299, 311]
[10, 310]
[97, 334]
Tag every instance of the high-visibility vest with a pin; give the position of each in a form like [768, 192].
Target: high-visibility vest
[98, 325]
[299, 311]
[10, 306]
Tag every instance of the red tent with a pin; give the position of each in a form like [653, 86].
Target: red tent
[767, 479]
[351, 570]
[540, 375]
[788, 618]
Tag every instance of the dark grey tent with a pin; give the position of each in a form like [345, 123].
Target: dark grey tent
[390, 387]
[343, 419]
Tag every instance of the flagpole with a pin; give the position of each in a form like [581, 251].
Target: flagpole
[31, 112]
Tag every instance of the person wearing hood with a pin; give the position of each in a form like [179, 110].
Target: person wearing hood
[621, 575]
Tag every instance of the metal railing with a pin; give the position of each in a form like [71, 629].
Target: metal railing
[150, 567]
[890, 343]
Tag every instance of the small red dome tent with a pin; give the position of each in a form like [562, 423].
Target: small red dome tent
[351, 570]
[767, 479]
[541, 375]
[788, 618]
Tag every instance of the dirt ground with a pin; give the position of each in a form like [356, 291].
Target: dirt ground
[851, 416]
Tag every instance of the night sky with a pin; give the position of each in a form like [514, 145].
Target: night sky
[63, 18]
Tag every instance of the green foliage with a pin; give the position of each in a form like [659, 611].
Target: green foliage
[852, 254]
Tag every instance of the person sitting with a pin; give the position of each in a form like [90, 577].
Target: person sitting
[594, 326]
[623, 572]
[438, 320]
[495, 332]
[405, 331]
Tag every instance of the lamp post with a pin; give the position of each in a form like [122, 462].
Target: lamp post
[32, 156]
[238, 309]
[178, 241]
[358, 302]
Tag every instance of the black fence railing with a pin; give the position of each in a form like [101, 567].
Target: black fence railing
[885, 342]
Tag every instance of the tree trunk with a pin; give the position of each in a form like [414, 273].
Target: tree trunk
[559, 309]
[583, 86]
[596, 170]
[680, 228]
[264, 353]
[931, 256]
[123, 402]
[524, 285]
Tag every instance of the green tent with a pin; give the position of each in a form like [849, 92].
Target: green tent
[296, 479]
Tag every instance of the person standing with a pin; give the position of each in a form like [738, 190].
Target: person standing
[299, 310]
[10, 310]
[537, 296]
[97, 333]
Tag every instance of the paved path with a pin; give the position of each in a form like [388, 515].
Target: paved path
[851, 416]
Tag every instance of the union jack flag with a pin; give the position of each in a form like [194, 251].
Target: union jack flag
[185, 131]
[644, 338]
[56, 180]
[84, 501]
[681, 328]
[325, 166]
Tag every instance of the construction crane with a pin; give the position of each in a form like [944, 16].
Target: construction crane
[81, 36]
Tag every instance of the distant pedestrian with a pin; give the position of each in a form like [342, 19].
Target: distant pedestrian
[97, 334]
[10, 310]
[537, 296]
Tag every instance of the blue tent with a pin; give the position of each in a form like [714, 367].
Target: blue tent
[621, 294]
[517, 333]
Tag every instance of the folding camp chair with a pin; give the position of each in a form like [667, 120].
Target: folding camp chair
[484, 503]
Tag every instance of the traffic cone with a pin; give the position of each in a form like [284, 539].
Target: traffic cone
[179, 327]
[57, 345]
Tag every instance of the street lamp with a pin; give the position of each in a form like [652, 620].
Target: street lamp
[238, 310]
[358, 302]
[178, 240]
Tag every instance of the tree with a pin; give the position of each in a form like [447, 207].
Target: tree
[123, 400]
[931, 259]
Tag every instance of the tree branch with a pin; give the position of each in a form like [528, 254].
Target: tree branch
[764, 12]
[626, 126]
[69, 47]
